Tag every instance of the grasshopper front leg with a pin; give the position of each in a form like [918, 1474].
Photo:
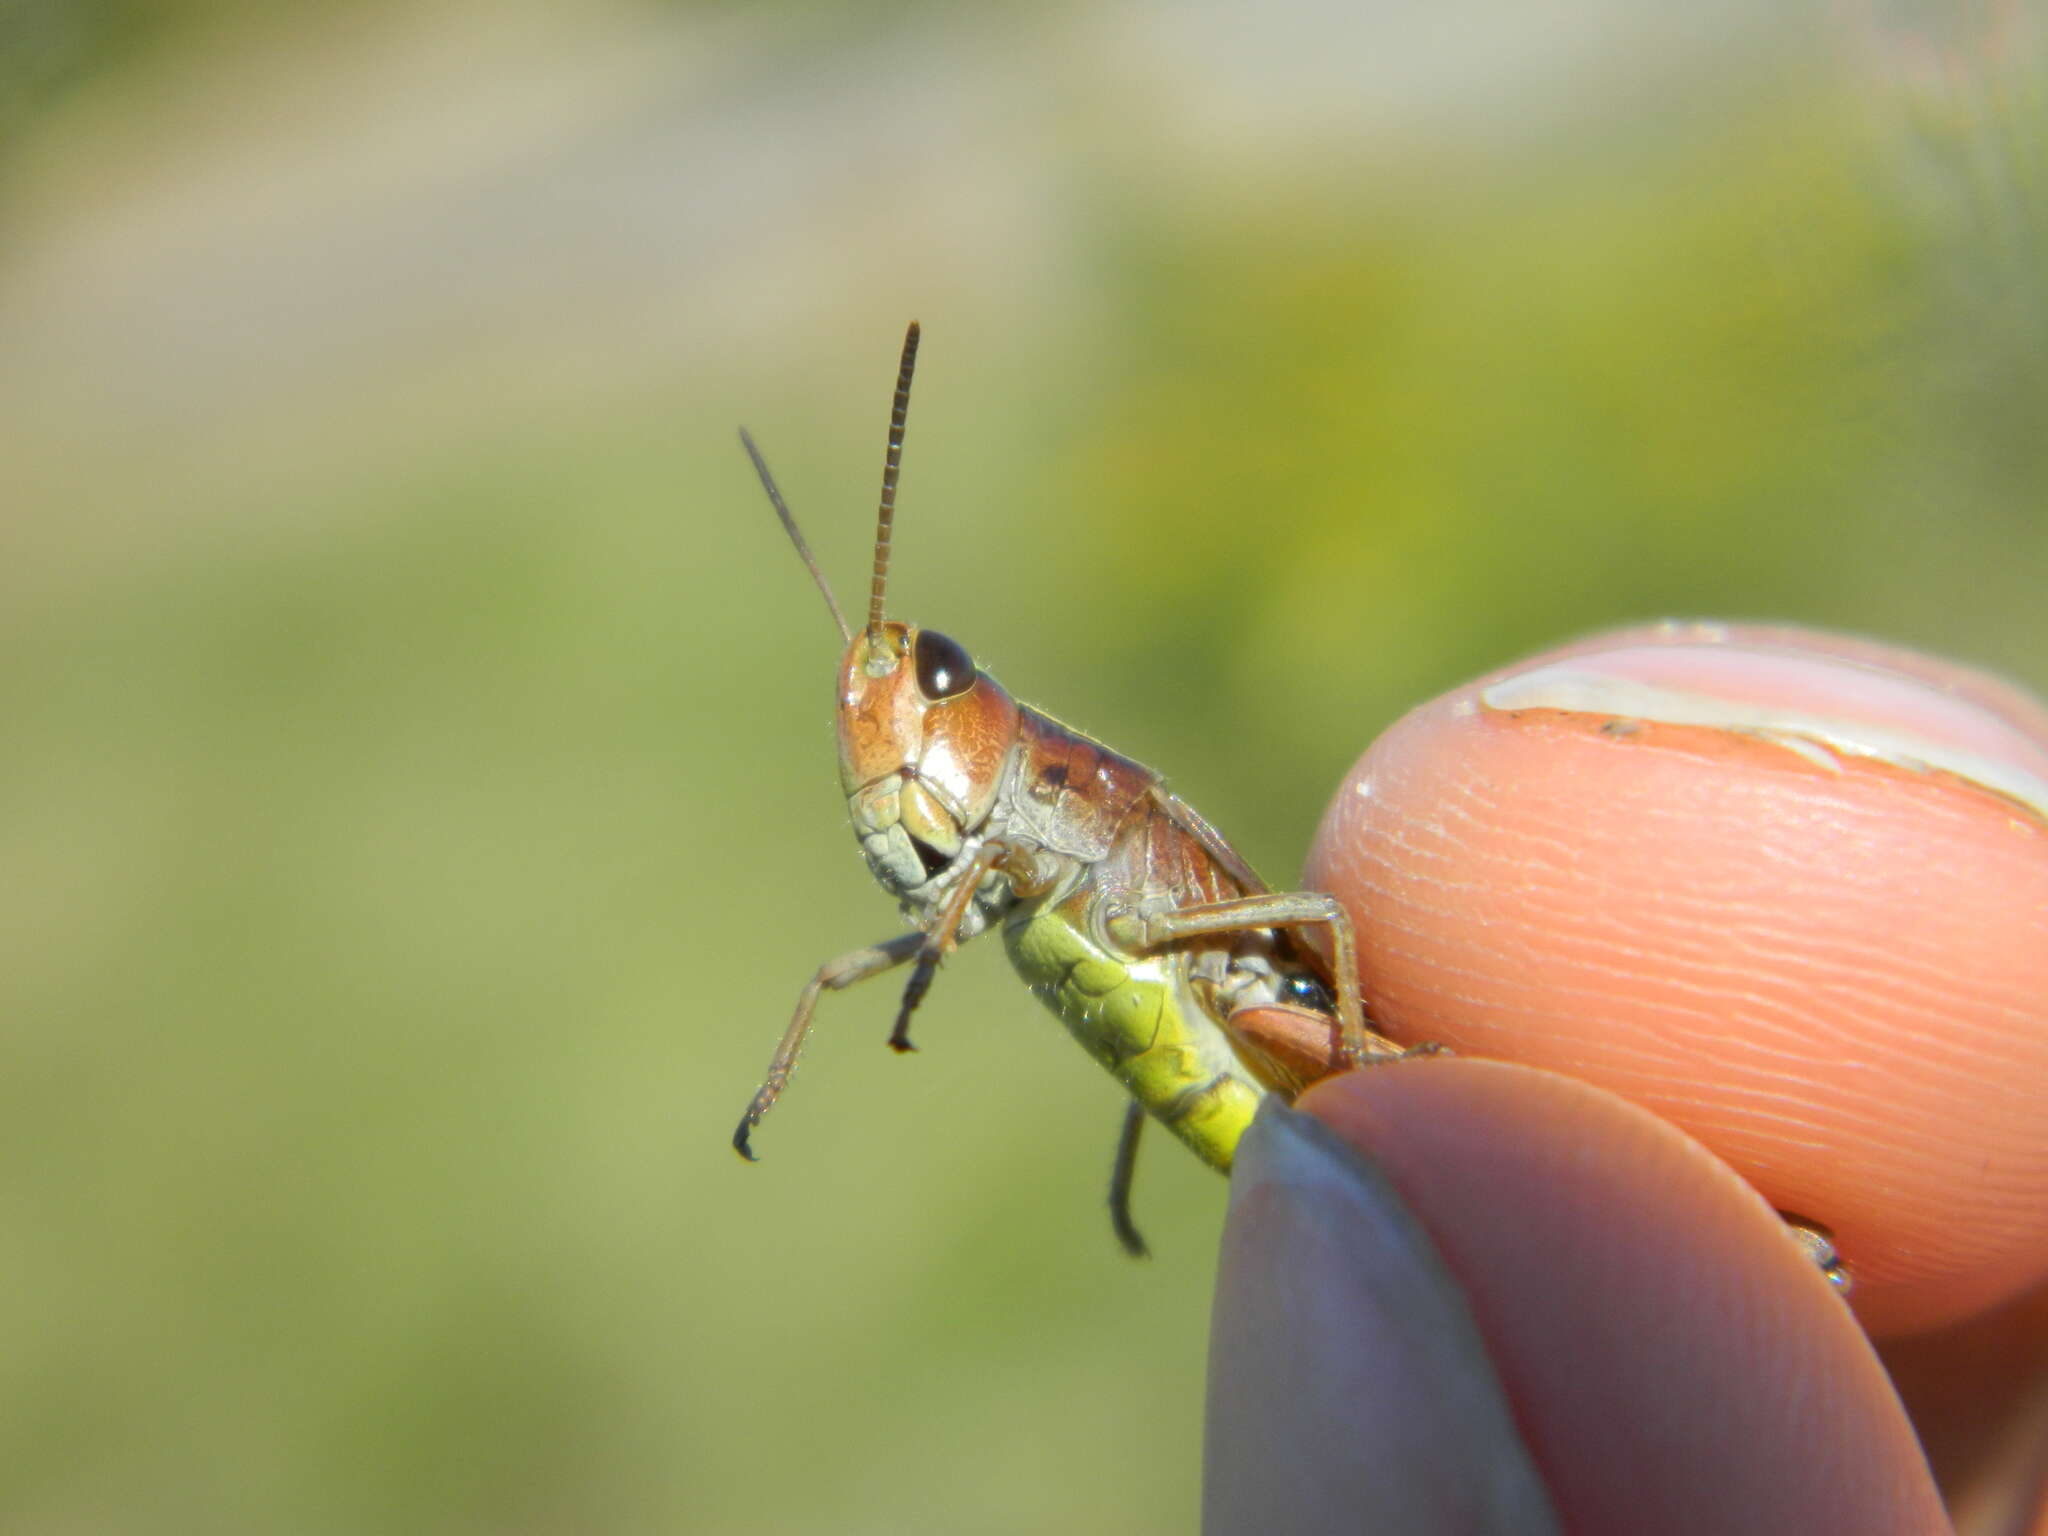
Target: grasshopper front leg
[833, 975]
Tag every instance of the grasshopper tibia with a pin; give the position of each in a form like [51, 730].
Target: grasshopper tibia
[1120, 1175]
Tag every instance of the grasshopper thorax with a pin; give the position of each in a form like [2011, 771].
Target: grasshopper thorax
[924, 741]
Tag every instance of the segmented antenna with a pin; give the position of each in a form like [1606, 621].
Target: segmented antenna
[897, 412]
[796, 535]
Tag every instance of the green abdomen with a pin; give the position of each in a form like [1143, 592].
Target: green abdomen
[1136, 1016]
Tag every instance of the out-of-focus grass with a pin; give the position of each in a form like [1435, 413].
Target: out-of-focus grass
[418, 802]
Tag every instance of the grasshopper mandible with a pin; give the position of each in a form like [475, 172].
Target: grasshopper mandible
[1122, 909]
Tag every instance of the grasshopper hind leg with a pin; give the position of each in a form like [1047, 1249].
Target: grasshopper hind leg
[1120, 1175]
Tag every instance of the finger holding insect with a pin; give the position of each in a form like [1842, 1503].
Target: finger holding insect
[1786, 890]
[1477, 1296]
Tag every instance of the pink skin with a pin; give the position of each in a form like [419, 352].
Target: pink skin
[1794, 934]
[1834, 976]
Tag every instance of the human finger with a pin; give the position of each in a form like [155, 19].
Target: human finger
[1787, 891]
[1528, 1305]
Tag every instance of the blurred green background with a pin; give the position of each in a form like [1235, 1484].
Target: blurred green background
[417, 809]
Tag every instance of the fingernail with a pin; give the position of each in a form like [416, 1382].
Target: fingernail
[1346, 1373]
[1821, 707]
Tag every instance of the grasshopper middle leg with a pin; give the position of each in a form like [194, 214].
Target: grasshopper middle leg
[1275, 909]
[1121, 1174]
[943, 937]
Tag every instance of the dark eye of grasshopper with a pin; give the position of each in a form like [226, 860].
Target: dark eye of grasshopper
[944, 669]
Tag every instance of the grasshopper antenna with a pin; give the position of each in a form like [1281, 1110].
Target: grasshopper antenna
[796, 534]
[897, 412]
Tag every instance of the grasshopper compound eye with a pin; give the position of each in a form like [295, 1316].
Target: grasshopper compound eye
[944, 669]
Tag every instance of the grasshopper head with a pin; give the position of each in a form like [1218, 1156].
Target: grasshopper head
[923, 740]
[924, 737]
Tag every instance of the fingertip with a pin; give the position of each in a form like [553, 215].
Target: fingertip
[1673, 1361]
[1788, 891]
[1345, 1372]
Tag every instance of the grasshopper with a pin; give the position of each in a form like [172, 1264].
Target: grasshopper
[1128, 915]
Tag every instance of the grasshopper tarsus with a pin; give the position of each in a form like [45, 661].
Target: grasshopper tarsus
[1818, 1243]
[913, 993]
[1128, 1237]
[739, 1140]
[899, 1033]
